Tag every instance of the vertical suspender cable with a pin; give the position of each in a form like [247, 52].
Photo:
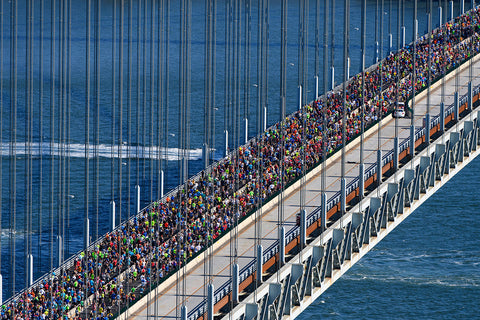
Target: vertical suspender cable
[283, 94]
[61, 131]
[181, 132]
[152, 93]
[362, 96]
[167, 79]
[120, 109]
[144, 85]
[52, 137]
[1, 133]
[120, 131]
[87, 140]
[139, 37]
[87, 123]
[377, 44]
[40, 132]
[324, 131]
[97, 120]
[69, 104]
[114, 94]
[248, 38]
[97, 139]
[414, 77]
[397, 89]
[129, 105]
[332, 46]
[345, 78]
[380, 102]
[429, 75]
[28, 117]
[13, 141]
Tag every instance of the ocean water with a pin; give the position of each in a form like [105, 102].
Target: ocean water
[140, 162]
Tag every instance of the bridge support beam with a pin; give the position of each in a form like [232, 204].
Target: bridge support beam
[300, 103]
[361, 180]
[442, 117]
[412, 141]
[416, 29]
[60, 248]
[246, 130]
[343, 195]
[456, 106]
[30, 269]
[316, 88]
[470, 96]
[281, 245]
[324, 211]
[348, 68]
[403, 36]
[259, 263]
[225, 151]
[395, 153]
[427, 128]
[303, 228]
[162, 182]
[440, 16]
[390, 43]
[86, 233]
[235, 283]
[112, 215]
[377, 49]
[332, 77]
[264, 118]
[462, 6]
[210, 301]
[379, 167]
[137, 198]
[451, 11]
[184, 313]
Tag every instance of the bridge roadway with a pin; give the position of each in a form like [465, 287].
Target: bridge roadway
[165, 300]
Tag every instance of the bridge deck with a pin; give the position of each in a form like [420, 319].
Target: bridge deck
[165, 301]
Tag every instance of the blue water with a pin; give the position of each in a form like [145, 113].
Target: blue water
[415, 278]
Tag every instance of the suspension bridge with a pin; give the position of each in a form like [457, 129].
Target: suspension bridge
[277, 211]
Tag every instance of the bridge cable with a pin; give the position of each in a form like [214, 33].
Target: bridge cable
[414, 80]
[120, 133]
[68, 120]
[28, 144]
[429, 76]
[346, 34]
[332, 45]
[97, 142]
[2, 13]
[86, 234]
[13, 139]
[362, 112]
[149, 212]
[302, 83]
[397, 90]
[248, 39]
[283, 93]
[144, 93]
[40, 127]
[324, 107]
[380, 101]
[152, 94]
[444, 58]
[52, 139]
